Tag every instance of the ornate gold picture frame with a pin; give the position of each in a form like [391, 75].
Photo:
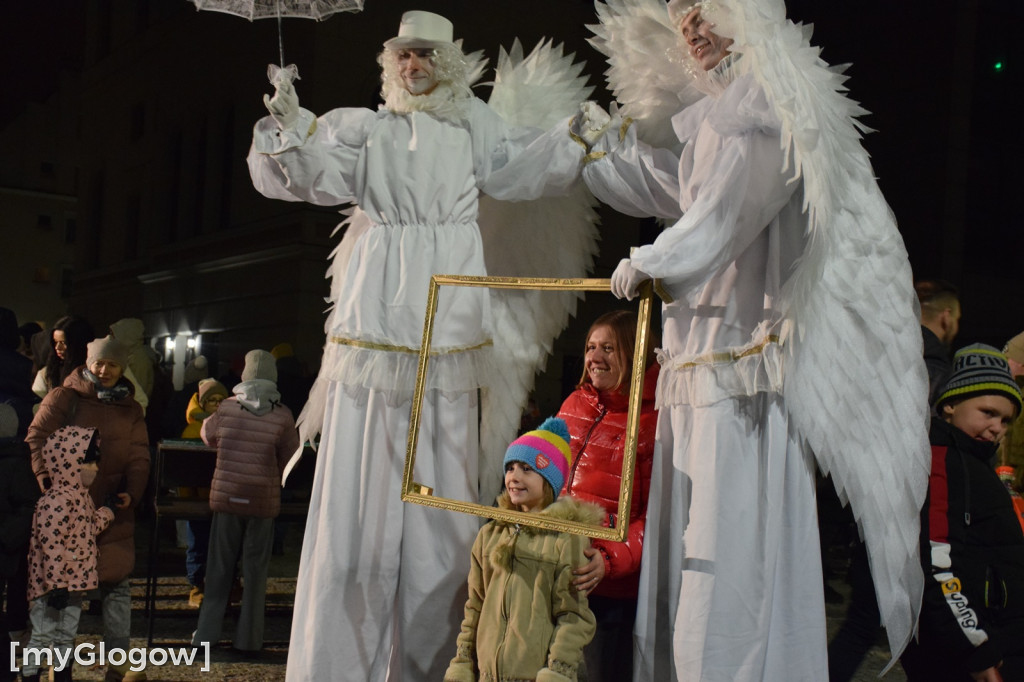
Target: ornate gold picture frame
[423, 492]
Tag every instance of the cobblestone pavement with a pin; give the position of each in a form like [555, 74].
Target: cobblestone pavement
[175, 622]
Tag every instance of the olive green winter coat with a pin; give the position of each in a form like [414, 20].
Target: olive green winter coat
[524, 620]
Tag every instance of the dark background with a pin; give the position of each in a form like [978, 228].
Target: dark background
[945, 152]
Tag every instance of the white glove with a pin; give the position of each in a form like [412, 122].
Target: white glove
[593, 122]
[284, 105]
[626, 280]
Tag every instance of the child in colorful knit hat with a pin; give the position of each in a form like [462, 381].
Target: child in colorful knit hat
[972, 616]
[524, 620]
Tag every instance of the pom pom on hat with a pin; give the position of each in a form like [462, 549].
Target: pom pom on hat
[107, 348]
[259, 364]
[545, 450]
[979, 369]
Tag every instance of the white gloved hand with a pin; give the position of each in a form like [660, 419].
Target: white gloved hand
[626, 280]
[284, 105]
[593, 122]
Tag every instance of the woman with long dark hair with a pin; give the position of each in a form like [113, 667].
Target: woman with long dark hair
[69, 338]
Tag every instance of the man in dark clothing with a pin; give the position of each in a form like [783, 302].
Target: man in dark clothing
[940, 322]
[15, 371]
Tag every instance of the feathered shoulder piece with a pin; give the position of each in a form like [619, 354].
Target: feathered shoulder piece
[645, 65]
[548, 237]
[538, 89]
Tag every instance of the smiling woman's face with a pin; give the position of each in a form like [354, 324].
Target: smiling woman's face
[602, 359]
[707, 47]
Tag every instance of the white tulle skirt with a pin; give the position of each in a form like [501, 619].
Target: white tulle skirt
[382, 583]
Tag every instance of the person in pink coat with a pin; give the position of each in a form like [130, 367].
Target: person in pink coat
[255, 436]
[62, 551]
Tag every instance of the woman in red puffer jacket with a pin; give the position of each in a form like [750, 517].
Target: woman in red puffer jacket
[596, 416]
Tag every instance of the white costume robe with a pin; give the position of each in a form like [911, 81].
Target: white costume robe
[731, 580]
[381, 583]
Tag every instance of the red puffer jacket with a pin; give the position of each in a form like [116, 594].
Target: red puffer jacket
[597, 426]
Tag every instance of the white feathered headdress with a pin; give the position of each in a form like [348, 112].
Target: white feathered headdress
[856, 384]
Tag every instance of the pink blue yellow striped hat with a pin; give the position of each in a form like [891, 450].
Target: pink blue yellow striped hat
[545, 450]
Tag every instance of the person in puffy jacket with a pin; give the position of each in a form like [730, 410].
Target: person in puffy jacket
[99, 396]
[205, 401]
[596, 415]
[255, 436]
[62, 550]
[524, 619]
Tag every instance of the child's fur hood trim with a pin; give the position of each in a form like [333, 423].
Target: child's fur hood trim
[563, 509]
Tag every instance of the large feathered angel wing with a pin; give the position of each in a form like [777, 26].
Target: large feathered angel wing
[856, 384]
[645, 72]
[551, 237]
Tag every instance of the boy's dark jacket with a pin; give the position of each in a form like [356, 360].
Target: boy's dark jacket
[974, 601]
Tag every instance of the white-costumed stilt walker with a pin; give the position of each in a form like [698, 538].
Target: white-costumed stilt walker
[792, 336]
[381, 584]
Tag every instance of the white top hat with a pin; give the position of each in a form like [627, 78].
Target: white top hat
[421, 29]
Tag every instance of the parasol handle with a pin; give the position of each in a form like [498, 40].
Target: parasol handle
[280, 39]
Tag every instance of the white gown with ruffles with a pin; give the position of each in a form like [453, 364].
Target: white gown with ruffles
[731, 585]
[381, 583]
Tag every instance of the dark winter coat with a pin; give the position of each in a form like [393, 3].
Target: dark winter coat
[18, 495]
[597, 426]
[972, 549]
[124, 466]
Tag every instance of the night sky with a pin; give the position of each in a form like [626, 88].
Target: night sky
[941, 80]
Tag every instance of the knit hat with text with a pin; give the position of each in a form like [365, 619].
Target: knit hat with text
[979, 370]
[545, 450]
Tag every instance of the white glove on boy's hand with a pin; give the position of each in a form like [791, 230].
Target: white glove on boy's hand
[626, 280]
[284, 105]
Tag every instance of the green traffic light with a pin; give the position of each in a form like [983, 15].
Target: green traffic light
[998, 66]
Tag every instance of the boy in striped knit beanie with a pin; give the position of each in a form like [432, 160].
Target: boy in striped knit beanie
[972, 615]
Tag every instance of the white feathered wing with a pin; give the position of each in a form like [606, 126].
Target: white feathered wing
[644, 73]
[856, 384]
[551, 237]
